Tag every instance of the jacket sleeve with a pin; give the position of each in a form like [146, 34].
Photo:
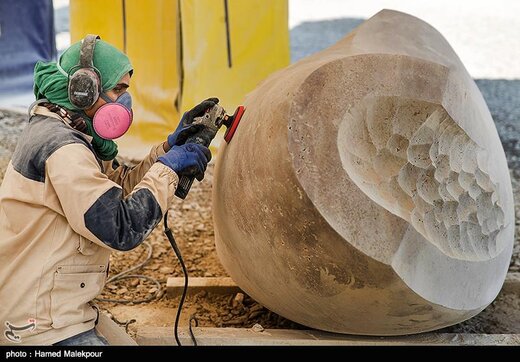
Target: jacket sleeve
[128, 177]
[95, 206]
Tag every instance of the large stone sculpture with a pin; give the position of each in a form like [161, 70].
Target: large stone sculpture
[366, 190]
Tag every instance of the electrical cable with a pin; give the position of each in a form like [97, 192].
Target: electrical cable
[193, 318]
[123, 275]
[170, 237]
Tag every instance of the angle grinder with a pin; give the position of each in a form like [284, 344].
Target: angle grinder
[212, 120]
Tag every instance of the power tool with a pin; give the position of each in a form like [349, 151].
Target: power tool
[212, 120]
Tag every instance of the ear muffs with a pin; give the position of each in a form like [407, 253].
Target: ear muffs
[85, 80]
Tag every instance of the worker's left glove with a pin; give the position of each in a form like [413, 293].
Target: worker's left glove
[187, 160]
[185, 129]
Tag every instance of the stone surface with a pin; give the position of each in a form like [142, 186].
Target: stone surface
[366, 190]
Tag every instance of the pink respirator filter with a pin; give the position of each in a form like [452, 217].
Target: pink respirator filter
[112, 120]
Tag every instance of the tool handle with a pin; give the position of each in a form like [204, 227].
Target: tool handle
[204, 138]
[184, 186]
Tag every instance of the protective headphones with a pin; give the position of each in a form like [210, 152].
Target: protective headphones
[111, 120]
[84, 79]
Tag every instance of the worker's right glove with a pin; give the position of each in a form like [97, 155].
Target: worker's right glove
[187, 160]
[185, 128]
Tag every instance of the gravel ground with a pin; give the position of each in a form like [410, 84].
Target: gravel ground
[11, 125]
[503, 99]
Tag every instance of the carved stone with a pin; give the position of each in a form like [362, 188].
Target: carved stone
[366, 190]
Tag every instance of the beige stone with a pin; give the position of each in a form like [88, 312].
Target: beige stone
[366, 190]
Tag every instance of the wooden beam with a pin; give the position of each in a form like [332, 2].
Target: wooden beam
[241, 336]
[175, 286]
[114, 334]
[226, 285]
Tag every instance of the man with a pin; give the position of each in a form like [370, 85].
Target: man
[65, 203]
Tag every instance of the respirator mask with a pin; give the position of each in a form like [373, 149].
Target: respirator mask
[113, 119]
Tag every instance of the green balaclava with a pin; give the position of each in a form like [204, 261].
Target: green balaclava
[51, 82]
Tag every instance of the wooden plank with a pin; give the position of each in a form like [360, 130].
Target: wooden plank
[248, 337]
[175, 286]
[114, 334]
[225, 285]
[512, 284]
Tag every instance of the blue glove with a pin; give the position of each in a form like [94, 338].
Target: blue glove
[187, 160]
[185, 128]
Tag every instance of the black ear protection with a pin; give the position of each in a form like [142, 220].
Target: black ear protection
[84, 79]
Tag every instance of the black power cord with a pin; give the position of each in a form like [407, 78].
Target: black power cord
[169, 234]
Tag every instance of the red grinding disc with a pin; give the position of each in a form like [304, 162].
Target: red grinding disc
[236, 120]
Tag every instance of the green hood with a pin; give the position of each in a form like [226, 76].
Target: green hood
[51, 82]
